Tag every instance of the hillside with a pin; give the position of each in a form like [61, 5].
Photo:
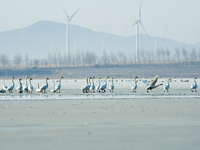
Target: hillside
[44, 37]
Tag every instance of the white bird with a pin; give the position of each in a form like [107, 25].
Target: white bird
[38, 90]
[166, 87]
[111, 87]
[134, 87]
[53, 90]
[103, 87]
[30, 87]
[10, 89]
[4, 87]
[25, 87]
[44, 87]
[99, 85]
[92, 87]
[58, 86]
[2, 90]
[152, 85]
[86, 87]
[20, 87]
[194, 86]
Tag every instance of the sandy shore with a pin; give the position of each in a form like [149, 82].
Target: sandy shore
[109, 124]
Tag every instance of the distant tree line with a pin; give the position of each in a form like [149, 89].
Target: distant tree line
[88, 58]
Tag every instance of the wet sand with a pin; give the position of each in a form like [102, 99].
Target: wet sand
[109, 124]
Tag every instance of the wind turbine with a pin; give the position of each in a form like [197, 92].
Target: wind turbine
[137, 31]
[165, 28]
[104, 36]
[68, 25]
[197, 37]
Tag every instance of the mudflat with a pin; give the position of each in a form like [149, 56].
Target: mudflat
[109, 124]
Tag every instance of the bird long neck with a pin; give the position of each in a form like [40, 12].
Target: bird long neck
[30, 81]
[13, 81]
[3, 81]
[158, 85]
[112, 81]
[46, 82]
[20, 82]
[135, 81]
[89, 81]
[37, 85]
[86, 81]
[106, 81]
[60, 81]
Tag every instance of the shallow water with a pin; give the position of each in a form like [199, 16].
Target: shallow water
[71, 90]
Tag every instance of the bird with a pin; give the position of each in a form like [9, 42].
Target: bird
[111, 87]
[44, 87]
[99, 84]
[25, 87]
[2, 90]
[86, 87]
[134, 87]
[166, 87]
[30, 87]
[20, 87]
[58, 86]
[194, 86]
[53, 90]
[152, 84]
[38, 90]
[4, 87]
[103, 87]
[10, 89]
[92, 87]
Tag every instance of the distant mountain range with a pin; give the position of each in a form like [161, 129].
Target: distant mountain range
[44, 37]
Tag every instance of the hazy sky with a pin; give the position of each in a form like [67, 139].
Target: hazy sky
[182, 16]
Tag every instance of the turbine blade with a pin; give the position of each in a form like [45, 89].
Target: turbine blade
[135, 23]
[74, 14]
[140, 9]
[66, 13]
[144, 29]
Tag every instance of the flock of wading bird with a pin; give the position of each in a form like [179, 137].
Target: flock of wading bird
[89, 87]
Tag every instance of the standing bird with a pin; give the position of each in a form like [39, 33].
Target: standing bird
[38, 90]
[25, 87]
[152, 85]
[194, 86]
[92, 87]
[99, 85]
[86, 87]
[166, 87]
[103, 87]
[112, 86]
[2, 90]
[58, 86]
[134, 87]
[4, 86]
[44, 87]
[30, 87]
[20, 87]
[53, 90]
[10, 89]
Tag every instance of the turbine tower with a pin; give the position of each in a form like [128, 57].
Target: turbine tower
[197, 37]
[137, 31]
[165, 28]
[68, 27]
